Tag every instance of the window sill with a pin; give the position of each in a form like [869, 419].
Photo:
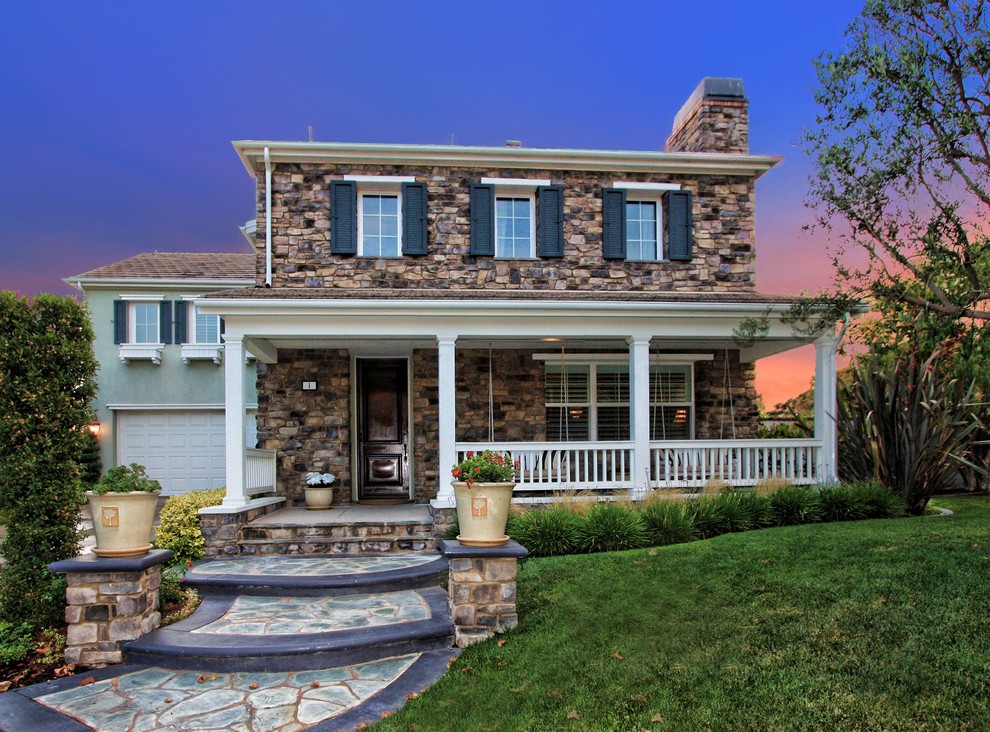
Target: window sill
[141, 352]
[202, 352]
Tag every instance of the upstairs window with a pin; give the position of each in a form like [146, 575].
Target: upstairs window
[647, 222]
[517, 218]
[515, 235]
[378, 216]
[140, 320]
[379, 231]
[207, 328]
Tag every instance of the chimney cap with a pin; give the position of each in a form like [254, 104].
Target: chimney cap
[711, 88]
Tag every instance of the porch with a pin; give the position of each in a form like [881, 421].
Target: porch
[643, 436]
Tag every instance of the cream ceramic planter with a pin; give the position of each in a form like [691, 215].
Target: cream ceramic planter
[122, 522]
[319, 497]
[482, 511]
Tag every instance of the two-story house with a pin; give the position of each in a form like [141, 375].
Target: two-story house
[576, 308]
[161, 383]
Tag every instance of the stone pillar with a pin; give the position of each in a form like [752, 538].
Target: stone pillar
[233, 364]
[109, 602]
[826, 404]
[482, 589]
[639, 403]
[447, 418]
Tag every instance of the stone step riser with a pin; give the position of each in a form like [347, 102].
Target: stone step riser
[261, 589]
[373, 532]
[320, 546]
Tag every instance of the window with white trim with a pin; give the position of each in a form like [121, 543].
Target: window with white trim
[515, 232]
[206, 328]
[591, 402]
[144, 322]
[379, 232]
[642, 230]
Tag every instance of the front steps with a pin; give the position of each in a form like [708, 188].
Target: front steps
[317, 613]
[349, 529]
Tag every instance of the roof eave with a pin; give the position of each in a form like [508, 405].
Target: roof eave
[252, 151]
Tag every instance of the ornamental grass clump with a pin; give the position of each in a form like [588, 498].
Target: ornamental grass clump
[609, 528]
[485, 467]
[668, 522]
[709, 516]
[795, 505]
[878, 500]
[547, 532]
[839, 503]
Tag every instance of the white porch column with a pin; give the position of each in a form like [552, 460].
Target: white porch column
[447, 418]
[826, 400]
[639, 417]
[233, 373]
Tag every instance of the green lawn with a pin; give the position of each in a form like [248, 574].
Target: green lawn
[868, 625]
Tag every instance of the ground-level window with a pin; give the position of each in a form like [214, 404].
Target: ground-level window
[591, 402]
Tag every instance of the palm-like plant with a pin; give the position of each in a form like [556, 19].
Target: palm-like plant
[904, 426]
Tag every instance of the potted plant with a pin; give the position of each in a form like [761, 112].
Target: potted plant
[319, 494]
[483, 484]
[123, 506]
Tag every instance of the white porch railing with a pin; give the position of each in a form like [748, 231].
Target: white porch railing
[692, 463]
[564, 465]
[608, 466]
[259, 471]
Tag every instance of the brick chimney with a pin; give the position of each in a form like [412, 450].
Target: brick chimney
[715, 118]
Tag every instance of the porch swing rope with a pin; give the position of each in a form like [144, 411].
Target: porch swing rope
[727, 395]
[491, 399]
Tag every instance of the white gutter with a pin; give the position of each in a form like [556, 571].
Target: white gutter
[252, 151]
[268, 219]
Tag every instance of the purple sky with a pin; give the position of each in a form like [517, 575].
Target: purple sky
[117, 117]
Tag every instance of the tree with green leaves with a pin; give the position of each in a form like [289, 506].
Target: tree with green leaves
[47, 381]
[901, 149]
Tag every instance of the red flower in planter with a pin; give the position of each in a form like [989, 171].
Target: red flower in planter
[455, 472]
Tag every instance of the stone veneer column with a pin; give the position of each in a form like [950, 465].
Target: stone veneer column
[482, 589]
[109, 602]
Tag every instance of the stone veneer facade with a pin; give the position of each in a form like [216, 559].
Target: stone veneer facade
[724, 236]
[311, 430]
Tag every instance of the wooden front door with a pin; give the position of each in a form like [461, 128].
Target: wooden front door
[383, 429]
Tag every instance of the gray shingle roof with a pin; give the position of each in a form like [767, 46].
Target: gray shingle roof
[177, 265]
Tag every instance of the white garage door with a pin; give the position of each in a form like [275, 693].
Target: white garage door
[183, 450]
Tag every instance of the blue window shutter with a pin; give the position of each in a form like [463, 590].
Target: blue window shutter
[223, 328]
[181, 321]
[550, 221]
[343, 217]
[613, 223]
[482, 220]
[119, 321]
[165, 319]
[678, 225]
[414, 230]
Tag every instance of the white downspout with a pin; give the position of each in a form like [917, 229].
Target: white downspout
[268, 219]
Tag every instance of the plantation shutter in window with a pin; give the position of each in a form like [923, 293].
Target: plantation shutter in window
[677, 215]
[165, 320]
[414, 230]
[613, 223]
[119, 321]
[482, 220]
[181, 322]
[550, 221]
[343, 217]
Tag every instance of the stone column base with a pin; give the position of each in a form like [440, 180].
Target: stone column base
[482, 589]
[108, 602]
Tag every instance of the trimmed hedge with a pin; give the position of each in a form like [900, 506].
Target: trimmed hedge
[660, 521]
[180, 529]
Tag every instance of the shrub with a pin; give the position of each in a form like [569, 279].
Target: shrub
[795, 505]
[608, 528]
[126, 479]
[547, 532]
[903, 424]
[47, 384]
[16, 642]
[180, 530]
[171, 590]
[758, 508]
[878, 500]
[668, 522]
[840, 503]
[90, 465]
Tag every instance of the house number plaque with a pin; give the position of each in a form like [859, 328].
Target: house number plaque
[479, 506]
[110, 516]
